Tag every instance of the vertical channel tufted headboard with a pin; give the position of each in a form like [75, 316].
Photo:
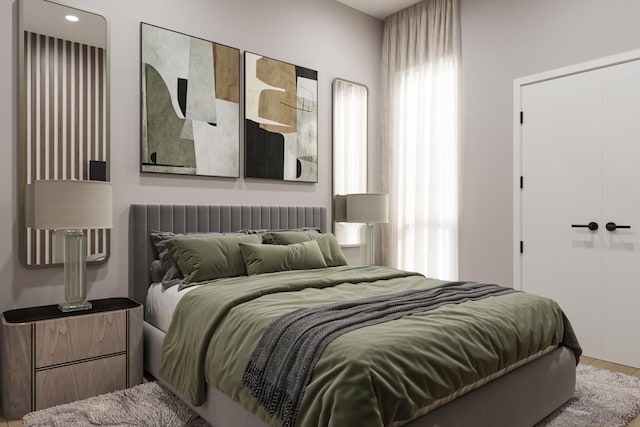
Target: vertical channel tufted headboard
[202, 218]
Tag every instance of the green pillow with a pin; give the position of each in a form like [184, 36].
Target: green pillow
[271, 258]
[327, 242]
[171, 274]
[266, 234]
[209, 258]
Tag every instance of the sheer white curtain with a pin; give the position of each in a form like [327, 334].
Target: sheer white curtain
[420, 69]
[350, 149]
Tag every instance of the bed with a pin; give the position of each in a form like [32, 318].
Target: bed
[522, 395]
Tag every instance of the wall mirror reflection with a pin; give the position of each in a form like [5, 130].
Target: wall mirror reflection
[64, 112]
[350, 148]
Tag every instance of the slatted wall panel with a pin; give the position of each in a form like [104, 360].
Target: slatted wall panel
[65, 84]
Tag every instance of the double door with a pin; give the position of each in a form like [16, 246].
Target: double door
[580, 203]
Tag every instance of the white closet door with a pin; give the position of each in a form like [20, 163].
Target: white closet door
[562, 169]
[621, 205]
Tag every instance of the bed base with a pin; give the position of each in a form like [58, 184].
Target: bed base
[520, 398]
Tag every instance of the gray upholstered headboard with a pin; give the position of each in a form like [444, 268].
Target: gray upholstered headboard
[193, 218]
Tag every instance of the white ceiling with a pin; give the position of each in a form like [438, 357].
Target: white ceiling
[379, 8]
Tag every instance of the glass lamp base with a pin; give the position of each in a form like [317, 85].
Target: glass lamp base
[75, 267]
[368, 249]
[67, 307]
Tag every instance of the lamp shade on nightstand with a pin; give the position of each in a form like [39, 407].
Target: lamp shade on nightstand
[367, 208]
[69, 205]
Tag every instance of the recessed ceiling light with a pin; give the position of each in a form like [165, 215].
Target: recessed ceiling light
[72, 18]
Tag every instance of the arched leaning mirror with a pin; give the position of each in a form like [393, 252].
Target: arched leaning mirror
[64, 113]
[350, 149]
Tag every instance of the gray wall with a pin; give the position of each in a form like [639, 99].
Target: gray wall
[323, 35]
[501, 41]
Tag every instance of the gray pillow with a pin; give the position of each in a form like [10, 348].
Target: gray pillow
[208, 258]
[327, 242]
[156, 271]
[171, 274]
[271, 258]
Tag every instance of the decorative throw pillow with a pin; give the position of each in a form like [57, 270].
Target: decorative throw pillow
[209, 258]
[327, 242]
[171, 273]
[266, 236]
[271, 258]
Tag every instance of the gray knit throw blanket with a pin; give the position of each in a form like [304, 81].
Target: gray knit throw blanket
[282, 363]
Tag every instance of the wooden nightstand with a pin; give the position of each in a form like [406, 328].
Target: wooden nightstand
[48, 357]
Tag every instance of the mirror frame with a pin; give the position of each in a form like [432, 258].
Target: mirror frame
[22, 130]
[333, 143]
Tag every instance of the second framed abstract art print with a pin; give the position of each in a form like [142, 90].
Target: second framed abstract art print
[281, 120]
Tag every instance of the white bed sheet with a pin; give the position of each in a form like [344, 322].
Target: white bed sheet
[162, 303]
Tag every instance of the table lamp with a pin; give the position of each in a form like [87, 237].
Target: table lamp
[69, 207]
[365, 208]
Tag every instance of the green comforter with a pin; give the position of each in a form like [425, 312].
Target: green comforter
[370, 376]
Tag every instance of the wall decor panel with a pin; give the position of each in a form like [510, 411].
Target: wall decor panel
[190, 105]
[281, 120]
[350, 102]
[65, 115]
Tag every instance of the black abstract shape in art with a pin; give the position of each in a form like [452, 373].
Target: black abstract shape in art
[264, 152]
[182, 95]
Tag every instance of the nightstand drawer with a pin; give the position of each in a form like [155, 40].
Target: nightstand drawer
[75, 338]
[65, 384]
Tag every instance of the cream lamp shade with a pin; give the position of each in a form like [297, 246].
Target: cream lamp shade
[367, 208]
[69, 204]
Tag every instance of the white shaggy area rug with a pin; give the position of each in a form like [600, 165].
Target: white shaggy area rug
[145, 405]
[602, 399]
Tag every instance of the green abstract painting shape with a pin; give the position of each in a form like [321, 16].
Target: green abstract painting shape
[166, 132]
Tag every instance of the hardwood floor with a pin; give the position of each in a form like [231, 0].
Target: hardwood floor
[585, 360]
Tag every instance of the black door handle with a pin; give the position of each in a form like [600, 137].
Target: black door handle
[593, 226]
[611, 226]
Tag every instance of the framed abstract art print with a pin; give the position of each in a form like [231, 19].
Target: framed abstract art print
[281, 120]
[190, 105]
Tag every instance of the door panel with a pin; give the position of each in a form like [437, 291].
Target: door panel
[621, 204]
[562, 169]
